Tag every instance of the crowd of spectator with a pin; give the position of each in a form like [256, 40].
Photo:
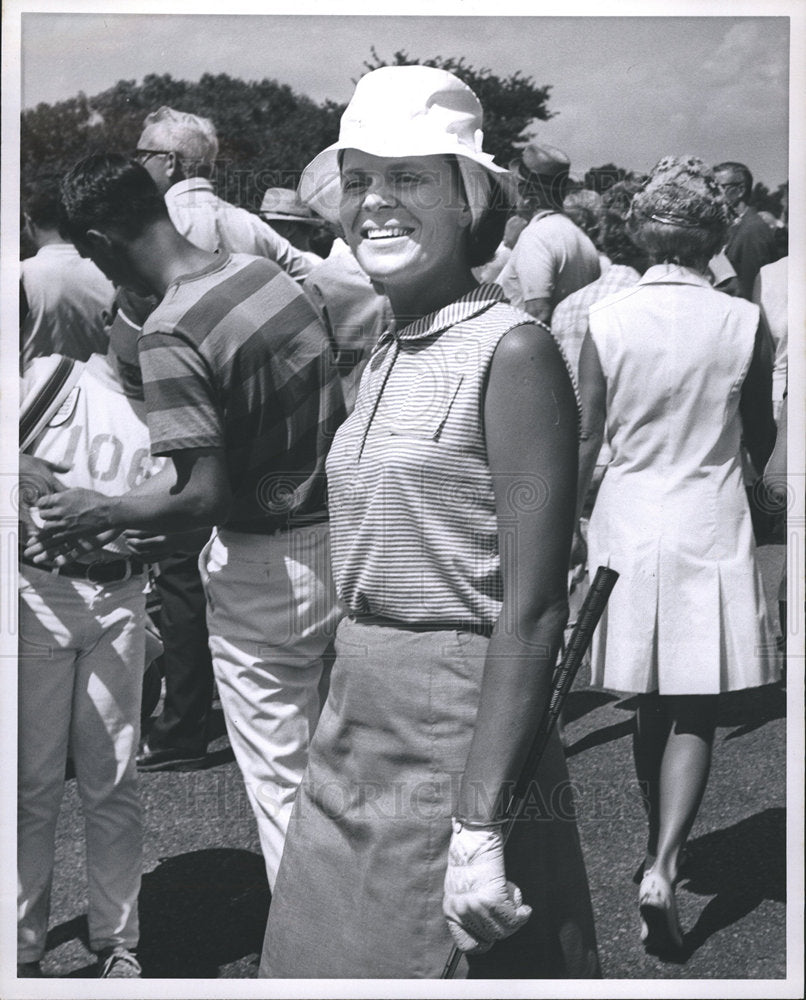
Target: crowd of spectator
[185, 364]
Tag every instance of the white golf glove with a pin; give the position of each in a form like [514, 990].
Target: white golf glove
[480, 905]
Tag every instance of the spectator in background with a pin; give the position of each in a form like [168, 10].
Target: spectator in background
[82, 648]
[774, 482]
[569, 325]
[552, 257]
[179, 150]
[570, 320]
[584, 209]
[676, 373]
[289, 217]
[63, 297]
[512, 230]
[751, 242]
[177, 738]
[770, 294]
[780, 232]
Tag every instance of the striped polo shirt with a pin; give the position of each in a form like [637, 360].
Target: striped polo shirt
[234, 357]
[414, 525]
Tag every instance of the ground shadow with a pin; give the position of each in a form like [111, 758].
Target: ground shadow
[600, 736]
[744, 711]
[740, 866]
[580, 702]
[198, 911]
[202, 910]
[741, 711]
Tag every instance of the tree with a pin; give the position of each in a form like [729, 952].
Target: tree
[509, 103]
[599, 179]
[267, 133]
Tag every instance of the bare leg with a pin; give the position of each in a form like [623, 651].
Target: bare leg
[649, 742]
[684, 774]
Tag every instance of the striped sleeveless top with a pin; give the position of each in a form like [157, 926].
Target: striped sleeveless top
[412, 511]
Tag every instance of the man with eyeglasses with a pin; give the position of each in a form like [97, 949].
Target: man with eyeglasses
[179, 150]
[751, 243]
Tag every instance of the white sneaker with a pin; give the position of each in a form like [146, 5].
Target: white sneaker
[118, 963]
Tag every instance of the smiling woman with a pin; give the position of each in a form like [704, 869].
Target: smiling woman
[405, 219]
[451, 492]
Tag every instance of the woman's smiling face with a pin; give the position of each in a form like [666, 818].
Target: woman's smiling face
[404, 218]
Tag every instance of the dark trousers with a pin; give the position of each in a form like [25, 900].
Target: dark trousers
[183, 722]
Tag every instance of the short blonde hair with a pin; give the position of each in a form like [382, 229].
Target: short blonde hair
[191, 137]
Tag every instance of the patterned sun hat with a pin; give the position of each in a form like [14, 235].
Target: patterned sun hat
[682, 191]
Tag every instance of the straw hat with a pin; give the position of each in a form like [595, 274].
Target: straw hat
[283, 204]
[399, 111]
[544, 161]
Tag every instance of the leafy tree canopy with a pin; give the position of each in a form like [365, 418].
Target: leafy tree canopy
[599, 179]
[266, 132]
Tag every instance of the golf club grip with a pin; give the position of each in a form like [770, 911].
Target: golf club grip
[588, 618]
[581, 635]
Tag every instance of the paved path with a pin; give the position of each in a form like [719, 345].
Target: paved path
[204, 898]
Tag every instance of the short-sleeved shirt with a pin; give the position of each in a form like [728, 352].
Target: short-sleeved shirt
[66, 298]
[235, 358]
[551, 259]
[569, 321]
[214, 225]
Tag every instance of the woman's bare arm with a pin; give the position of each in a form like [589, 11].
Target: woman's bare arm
[531, 434]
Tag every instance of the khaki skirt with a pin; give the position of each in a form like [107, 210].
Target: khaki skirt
[359, 891]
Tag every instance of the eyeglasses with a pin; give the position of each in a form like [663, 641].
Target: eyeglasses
[141, 155]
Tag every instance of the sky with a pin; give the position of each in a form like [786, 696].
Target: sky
[625, 89]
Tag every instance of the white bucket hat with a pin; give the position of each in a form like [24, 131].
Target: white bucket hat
[399, 111]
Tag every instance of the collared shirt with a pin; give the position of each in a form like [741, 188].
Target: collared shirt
[551, 259]
[414, 527]
[569, 322]
[214, 225]
[235, 358]
[67, 297]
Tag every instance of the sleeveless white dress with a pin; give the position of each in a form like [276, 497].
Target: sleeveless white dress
[687, 615]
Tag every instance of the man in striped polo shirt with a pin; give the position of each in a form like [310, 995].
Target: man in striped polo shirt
[243, 396]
